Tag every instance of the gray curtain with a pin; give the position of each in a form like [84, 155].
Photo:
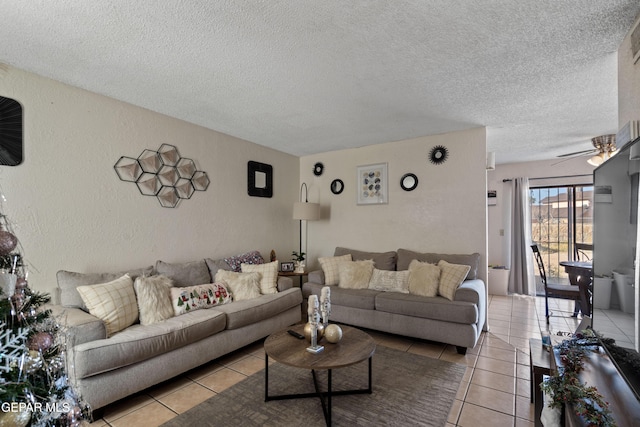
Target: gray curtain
[521, 275]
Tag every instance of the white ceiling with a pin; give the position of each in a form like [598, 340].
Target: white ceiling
[306, 77]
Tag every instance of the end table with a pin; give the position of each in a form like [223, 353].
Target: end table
[293, 274]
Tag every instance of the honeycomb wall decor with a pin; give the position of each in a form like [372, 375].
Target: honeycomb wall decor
[163, 174]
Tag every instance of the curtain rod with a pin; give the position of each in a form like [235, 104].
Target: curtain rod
[552, 177]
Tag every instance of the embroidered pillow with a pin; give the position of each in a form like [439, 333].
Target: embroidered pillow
[424, 278]
[235, 262]
[187, 299]
[153, 294]
[113, 302]
[355, 274]
[241, 285]
[390, 281]
[331, 268]
[451, 276]
[269, 273]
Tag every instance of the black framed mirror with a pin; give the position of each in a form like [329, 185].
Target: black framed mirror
[337, 186]
[409, 182]
[318, 168]
[11, 151]
[259, 179]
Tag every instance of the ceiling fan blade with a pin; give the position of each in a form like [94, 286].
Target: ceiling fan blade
[578, 153]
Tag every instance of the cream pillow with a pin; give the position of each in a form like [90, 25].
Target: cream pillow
[355, 274]
[451, 276]
[331, 268]
[424, 278]
[269, 275]
[390, 281]
[154, 298]
[241, 285]
[113, 302]
[190, 298]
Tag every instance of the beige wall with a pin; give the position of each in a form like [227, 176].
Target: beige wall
[446, 213]
[628, 83]
[70, 210]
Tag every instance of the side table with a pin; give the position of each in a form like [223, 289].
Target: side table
[293, 274]
[540, 361]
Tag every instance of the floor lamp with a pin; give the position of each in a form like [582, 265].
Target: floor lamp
[305, 211]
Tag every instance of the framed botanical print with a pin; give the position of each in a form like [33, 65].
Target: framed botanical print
[372, 185]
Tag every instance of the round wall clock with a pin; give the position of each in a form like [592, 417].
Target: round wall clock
[438, 154]
[318, 168]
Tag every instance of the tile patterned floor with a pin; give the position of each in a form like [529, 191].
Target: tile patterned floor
[494, 390]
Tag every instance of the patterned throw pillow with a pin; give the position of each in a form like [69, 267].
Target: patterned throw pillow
[113, 302]
[331, 268]
[154, 298]
[269, 276]
[355, 274]
[424, 278]
[187, 299]
[390, 281]
[235, 262]
[241, 285]
[451, 276]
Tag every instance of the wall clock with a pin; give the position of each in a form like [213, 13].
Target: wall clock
[438, 154]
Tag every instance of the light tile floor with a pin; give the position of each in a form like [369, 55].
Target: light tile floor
[494, 390]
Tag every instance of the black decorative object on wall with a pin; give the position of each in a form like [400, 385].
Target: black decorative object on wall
[10, 132]
[337, 186]
[409, 182]
[259, 179]
[163, 174]
[438, 154]
[318, 168]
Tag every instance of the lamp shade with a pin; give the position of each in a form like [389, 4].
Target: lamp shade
[306, 211]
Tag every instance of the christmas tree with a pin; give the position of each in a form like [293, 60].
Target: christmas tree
[34, 387]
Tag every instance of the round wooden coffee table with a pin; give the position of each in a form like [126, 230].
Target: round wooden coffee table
[355, 347]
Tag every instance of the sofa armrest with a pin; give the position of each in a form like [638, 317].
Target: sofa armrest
[78, 325]
[284, 283]
[471, 291]
[316, 276]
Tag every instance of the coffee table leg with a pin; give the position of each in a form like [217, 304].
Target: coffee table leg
[328, 417]
[266, 377]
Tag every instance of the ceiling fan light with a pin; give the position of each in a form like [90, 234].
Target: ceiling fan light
[596, 160]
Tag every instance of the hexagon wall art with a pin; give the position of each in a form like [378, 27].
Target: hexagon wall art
[163, 174]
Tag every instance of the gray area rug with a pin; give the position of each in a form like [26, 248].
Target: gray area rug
[408, 390]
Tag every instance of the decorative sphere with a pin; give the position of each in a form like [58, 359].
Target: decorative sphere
[41, 341]
[307, 331]
[333, 333]
[8, 242]
[15, 418]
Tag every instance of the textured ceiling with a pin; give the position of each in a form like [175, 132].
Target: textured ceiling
[306, 77]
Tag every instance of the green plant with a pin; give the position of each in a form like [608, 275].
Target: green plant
[297, 256]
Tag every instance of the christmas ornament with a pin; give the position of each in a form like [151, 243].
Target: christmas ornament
[14, 418]
[8, 242]
[41, 341]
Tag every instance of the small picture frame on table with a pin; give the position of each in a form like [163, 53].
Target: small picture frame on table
[287, 267]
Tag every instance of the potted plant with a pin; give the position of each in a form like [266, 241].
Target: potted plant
[298, 258]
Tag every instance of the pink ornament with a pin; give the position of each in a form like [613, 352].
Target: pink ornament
[41, 341]
[8, 242]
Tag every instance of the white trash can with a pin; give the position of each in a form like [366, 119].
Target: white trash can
[602, 292]
[498, 281]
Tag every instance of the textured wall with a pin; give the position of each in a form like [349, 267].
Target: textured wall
[72, 212]
[628, 83]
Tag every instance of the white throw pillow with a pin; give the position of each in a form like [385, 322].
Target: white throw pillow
[190, 298]
[269, 275]
[390, 281]
[331, 268]
[154, 298]
[451, 276]
[113, 302]
[424, 278]
[241, 285]
[355, 274]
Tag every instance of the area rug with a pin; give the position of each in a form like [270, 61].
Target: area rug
[408, 389]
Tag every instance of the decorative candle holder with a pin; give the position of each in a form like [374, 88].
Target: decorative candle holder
[314, 319]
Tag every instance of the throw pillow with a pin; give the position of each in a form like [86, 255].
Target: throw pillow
[186, 273]
[235, 262]
[451, 276]
[331, 268]
[113, 302]
[269, 276]
[390, 281]
[241, 285]
[355, 274]
[424, 278]
[188, 299]
[154, 299]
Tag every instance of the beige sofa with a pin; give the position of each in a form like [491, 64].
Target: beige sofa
[104, 370]
[457, 322]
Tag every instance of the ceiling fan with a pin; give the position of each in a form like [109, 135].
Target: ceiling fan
[604, 147]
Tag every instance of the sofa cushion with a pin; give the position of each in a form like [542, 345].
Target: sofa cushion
[154, 298]
[216, 264]
[247, 312]
[382, 260]
[355, 274]
[331, 268]
[236, 261]
[268, 275]
[354, 298]
[113, 302]
[390, 281]
[190, 298]
[451, 276]
[68, 281]
[436, 308]
[141, 342]
[473, 260]
[186, 273]
[424, 278]
[242, 286]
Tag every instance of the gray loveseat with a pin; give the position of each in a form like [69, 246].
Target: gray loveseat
[105, 369]
[457, 322]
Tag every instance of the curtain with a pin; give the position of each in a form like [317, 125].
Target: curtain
[521, 280]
